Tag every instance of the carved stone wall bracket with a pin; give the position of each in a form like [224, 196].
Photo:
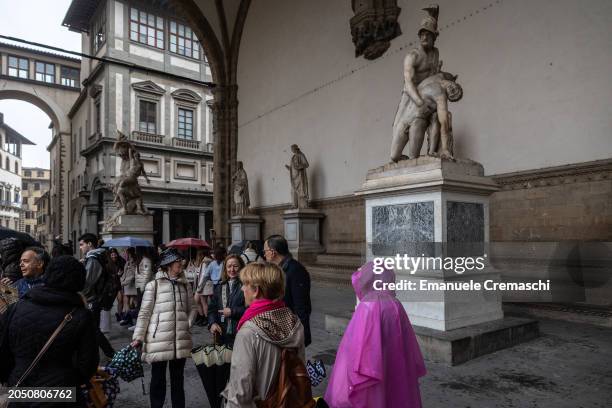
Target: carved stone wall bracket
[373, 26]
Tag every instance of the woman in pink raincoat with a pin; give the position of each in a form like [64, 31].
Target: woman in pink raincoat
[379, 362]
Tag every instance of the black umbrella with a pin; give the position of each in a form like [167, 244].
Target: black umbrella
[213, 364]
[238, 248]
[21, 236]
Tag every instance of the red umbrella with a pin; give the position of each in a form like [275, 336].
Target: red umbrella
[185, 243]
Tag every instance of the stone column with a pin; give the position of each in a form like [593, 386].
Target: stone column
[166, 226]
[202, 224]
[225, 131]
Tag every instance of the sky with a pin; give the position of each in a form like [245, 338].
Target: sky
[39, 21]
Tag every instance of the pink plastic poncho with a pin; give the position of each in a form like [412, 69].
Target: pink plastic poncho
[379, 362]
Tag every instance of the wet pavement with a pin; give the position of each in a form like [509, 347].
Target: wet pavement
[569, 365]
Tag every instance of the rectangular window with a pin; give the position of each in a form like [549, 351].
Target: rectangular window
[148, 117]
[99, 32]
[146, 28]
[24, 185]
[27, 227]
[27, 173]
[185, 123]
[183, 41]
[45, 72]
[40, 173]
[69, 77]
[98, 116]
[18, 67]
[36, 186]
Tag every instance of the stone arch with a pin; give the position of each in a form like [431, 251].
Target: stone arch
[45, 101]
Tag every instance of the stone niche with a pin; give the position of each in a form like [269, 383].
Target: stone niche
[373, 26]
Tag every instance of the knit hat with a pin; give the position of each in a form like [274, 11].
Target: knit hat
[65, 273]
[170, 255]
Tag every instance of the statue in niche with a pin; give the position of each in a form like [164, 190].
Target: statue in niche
[241, 191]
[299, 178]
[423, 106]
[373, 26]
[127, 192]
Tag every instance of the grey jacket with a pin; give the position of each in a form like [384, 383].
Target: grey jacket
[94, 271]
[257, 353]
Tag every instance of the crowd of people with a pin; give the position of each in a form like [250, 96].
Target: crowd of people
[256, 303]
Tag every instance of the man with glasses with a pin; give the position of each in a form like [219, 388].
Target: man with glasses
[297, 280]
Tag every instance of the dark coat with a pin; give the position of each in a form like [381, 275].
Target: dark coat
[235, 301]
[297, 293]
[72, 358]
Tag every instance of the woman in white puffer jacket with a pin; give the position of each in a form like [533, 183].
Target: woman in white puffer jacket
[163, 329]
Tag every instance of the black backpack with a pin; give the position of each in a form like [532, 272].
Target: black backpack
[106, 287]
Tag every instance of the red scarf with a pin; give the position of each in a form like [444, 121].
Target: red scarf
[259, 306]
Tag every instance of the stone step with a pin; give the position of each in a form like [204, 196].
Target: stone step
[586, 314]
[326, 274]
[340, 260]
[457, 346]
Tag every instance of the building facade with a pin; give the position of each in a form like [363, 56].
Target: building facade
[43, 230]
[34, 183]
[154, 95]
[11, 142]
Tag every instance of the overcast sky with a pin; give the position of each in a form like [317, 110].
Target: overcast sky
[39, 21]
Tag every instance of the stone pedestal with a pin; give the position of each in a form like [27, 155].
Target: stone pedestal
[303, 232]
[434, 208]
[245, 228]
[138, 226]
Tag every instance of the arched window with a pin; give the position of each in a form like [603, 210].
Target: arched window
[17, 167]
[8, 164]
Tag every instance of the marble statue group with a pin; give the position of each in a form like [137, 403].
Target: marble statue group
[127, 192]
[423, 106]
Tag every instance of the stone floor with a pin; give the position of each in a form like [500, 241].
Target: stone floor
[570, 365]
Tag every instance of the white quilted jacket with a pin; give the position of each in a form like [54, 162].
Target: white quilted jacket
[163, 324]
[144, 273]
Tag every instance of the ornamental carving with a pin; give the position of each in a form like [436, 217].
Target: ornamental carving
[373, 26]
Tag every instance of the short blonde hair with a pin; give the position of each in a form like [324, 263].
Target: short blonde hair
[268, 277]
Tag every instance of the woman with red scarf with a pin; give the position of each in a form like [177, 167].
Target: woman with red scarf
[266, 327]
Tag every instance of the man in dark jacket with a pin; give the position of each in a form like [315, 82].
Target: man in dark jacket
[72, 358]
[297, 280]
[95, 278]
[33, 263]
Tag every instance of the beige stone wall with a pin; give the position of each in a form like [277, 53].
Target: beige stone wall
[535, 76]
[555, 204]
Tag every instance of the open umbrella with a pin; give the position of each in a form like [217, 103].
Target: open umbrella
[185, 243]
[9, 233]
[126, 242]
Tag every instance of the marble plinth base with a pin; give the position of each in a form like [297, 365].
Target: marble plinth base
[451, 309]
[429, 207]
[454, 347]
[303, 232]
[245, 228]
[139, 226]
